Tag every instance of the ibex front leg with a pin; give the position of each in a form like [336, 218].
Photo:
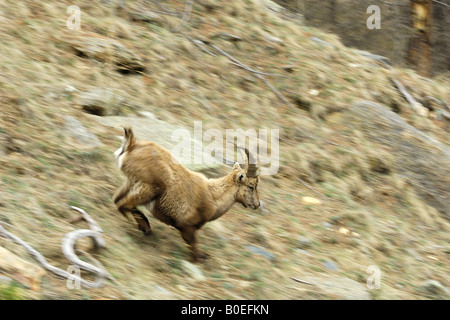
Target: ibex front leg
[188, 234]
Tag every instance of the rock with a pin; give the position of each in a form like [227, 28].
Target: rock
[193, 271]
[148, 114]
[434, 288]
[101, 102]
[80, 134]
[372, 56]
[3, 145]
[322, 42]
[70, 89]
[22, 271]
[422, 160]
[5, 280]
[289, 68]
[303, 252]
[108, 50]
[303, 242]
[273, 39]
[326, 225]
[413, 253]
[330, 265]
[162, 133]
[344, 231]
[263, 208]
[339, 287]
[219, 229]
[162, 292]
[310, 200]
[148, 16]
[262, 252]
[209, 5]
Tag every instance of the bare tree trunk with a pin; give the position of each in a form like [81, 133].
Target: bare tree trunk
[419, 51]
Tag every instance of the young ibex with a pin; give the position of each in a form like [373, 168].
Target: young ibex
[175, 195]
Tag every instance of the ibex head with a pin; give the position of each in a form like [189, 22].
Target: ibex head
[247, 180]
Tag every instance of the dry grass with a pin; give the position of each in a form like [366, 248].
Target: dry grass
[43, 172]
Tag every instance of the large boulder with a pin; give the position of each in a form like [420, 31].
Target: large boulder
[424, 161]
[161, 132]
[108, 50]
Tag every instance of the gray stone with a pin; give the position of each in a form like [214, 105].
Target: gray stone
[193, 271]
[262, 252]
[303, 252]
[101, 102]
[339, 287]
[162, 132]
[423, 160]
[322, 42]
[148, 16]
[5, 280]
[80, 134]
[326, 225]
[434, 288]
[303, 242]
[109, 50]
[330, 265]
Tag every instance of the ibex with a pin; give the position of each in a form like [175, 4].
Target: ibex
[176, 195]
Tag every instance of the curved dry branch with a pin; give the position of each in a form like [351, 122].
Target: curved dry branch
[68, 245]
[43, 262]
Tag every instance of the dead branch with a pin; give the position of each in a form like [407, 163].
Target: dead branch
[68, 245]
[198, 43]
[442, 103]
[43, 262]
[415, 105]
[259, 72]
[261, 77]
[93, 225]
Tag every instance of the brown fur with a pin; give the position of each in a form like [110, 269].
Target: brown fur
[181, 198]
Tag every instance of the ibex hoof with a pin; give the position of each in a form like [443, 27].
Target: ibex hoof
[148, 232]
[202, 257]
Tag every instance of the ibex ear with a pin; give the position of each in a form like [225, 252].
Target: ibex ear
[236, 166]
[240, 176]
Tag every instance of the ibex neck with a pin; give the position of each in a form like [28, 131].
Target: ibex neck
[223, 190]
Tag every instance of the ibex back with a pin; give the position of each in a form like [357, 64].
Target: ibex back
[176, 195]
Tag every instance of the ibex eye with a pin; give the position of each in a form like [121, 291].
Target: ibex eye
[251, 188]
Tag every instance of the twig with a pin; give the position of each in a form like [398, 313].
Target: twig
[302, 281]
[259, 72]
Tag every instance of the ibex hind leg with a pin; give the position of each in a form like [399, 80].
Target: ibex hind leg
[138, 194]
